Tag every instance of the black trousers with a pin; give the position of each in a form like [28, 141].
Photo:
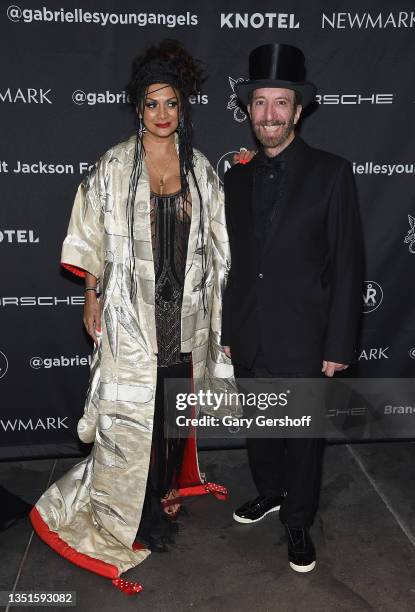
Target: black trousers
[291, 465]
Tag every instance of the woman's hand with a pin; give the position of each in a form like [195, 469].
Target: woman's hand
[92, 315]
[244, 156]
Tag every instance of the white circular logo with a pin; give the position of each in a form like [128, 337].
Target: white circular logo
[412, 353]
[79, 97]
[4, 364]
[372, 296]
[225, 162]
[14, 13]
[36, 362]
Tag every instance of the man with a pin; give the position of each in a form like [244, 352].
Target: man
[291, 305]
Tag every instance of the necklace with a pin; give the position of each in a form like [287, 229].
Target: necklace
[160, 176]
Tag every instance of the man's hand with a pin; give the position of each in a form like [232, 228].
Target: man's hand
[244, 156]
[92, 315]
[227, 351]
[330, 367]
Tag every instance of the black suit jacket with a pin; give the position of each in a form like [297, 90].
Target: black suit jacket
[298, 295]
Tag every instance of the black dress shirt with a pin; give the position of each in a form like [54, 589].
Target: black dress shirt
[269, 181]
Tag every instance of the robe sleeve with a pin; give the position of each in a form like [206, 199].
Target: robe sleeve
[226, 306]
[219, 375]
[82, 249]
[219, 365]
[82, 252]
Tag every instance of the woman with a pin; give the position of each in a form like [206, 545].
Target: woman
[147, 231]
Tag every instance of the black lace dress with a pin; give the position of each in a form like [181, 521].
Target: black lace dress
[170, 224]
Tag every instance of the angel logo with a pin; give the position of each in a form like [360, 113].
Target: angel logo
[410, 237]
[238, 114]
[4, 364]
[372, 296]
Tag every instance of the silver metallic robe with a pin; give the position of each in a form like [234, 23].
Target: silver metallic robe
[96, 507]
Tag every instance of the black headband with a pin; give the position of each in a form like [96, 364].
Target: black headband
[156, 71]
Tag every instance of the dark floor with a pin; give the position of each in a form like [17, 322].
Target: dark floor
[364, 534]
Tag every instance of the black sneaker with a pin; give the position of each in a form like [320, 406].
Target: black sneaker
[301, 551]
[257, 508]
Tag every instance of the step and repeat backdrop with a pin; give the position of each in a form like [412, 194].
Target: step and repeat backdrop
[65, 65]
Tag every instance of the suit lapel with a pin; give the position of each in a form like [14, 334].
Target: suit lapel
[245, 189]
[251, 190]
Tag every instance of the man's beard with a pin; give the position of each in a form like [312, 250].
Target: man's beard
[277, 140]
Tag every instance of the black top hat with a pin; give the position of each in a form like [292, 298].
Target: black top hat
[277, 66]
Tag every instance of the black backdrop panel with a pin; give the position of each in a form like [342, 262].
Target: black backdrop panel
[64, 69]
